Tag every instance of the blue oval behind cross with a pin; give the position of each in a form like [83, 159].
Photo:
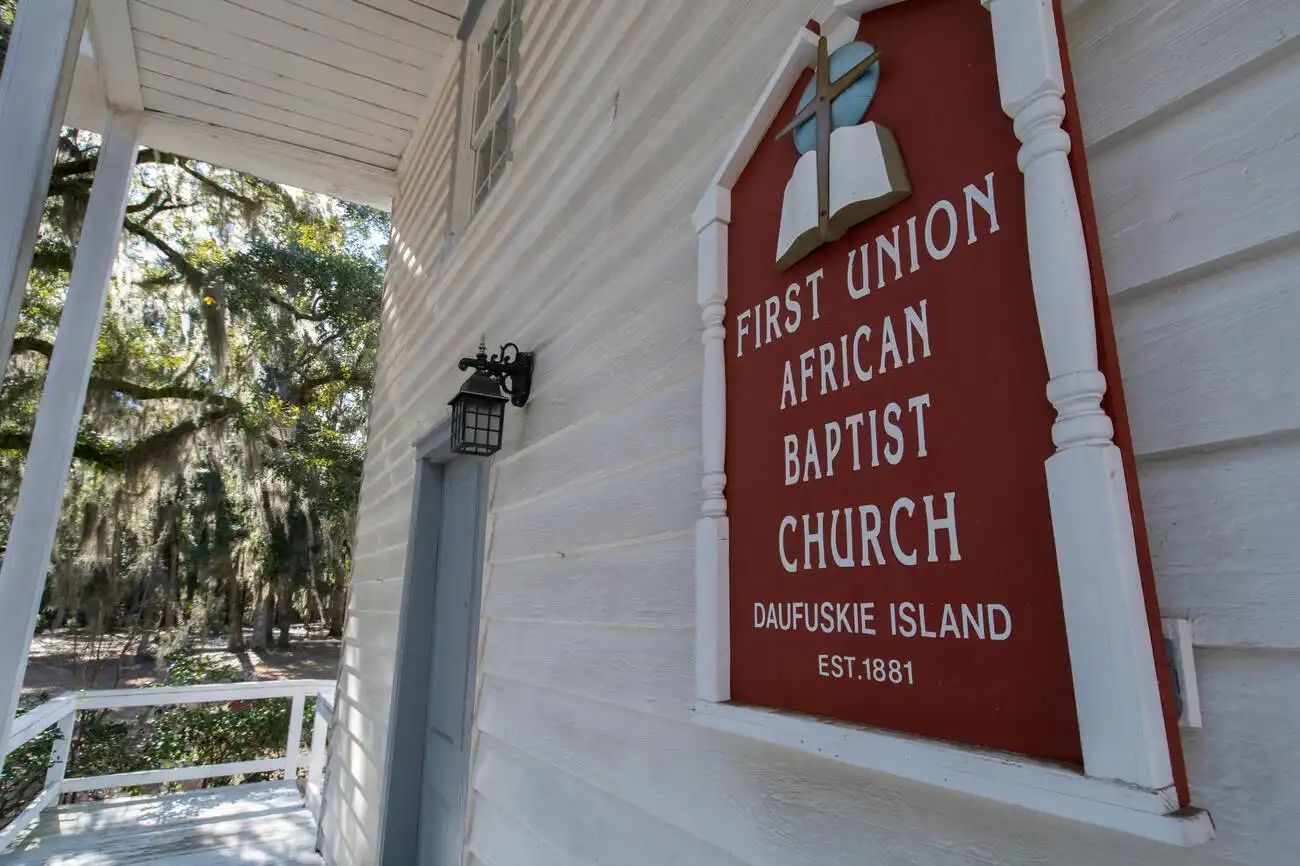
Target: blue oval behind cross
[849, 107]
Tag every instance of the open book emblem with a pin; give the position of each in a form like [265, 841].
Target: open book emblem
[850, 170]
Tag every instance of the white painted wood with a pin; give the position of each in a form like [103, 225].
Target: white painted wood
[362, 28]
[1040, 787]
[316, 763]
[293, 749]
[37, 721]
[60, 750]
[34, 87]
[237, 120]
[222, 18]
[171, 774]
[157, 70]
[1201, 43]
[63, 711]
[1121, 721]
[23, 820]
[312, 170]
[262, 113]
[161, 22]
[110, 35]
[103, 699]
[255, 824]
[40, 498]
[178, 60]
[765, 805]
[1178, 634]
[1231, 198]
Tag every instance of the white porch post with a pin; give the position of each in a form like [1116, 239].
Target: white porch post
[33, 94]
[31, 537]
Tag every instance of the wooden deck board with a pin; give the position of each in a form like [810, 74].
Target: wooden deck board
[247, 824]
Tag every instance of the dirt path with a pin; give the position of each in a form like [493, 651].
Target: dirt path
[62, 661]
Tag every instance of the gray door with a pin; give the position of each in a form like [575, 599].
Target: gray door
[450, 668]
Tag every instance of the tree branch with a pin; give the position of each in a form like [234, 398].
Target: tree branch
[88, 164]
[297, 313]
[217, 188]
[347, 377]
[195, 277]
[133, 389]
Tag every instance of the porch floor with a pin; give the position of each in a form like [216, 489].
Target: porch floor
[243, 824]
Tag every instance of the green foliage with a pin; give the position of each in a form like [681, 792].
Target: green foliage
[219, 457]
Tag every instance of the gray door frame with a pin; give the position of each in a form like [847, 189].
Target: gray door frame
[399, 801]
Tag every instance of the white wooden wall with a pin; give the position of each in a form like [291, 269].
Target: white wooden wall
[585, 752]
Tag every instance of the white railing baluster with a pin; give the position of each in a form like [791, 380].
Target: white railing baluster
[62, 711]
[62, 747]
[294, 746]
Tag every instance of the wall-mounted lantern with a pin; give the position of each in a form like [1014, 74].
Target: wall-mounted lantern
[478, 410]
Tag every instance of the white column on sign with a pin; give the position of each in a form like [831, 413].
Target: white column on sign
[712, 603]
[33, 94]
[40, 498]
[1121, 721]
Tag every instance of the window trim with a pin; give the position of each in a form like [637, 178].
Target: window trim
[473, 132]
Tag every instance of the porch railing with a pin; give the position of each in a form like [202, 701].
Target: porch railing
[62, 712]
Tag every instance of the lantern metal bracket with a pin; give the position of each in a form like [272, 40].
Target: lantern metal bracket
[510, 368]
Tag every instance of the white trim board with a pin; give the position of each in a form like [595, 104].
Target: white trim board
[1009, 779]
[1127, 783]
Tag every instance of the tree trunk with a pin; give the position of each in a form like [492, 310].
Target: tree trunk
[338, 609]
[262, 623]
[234, 612]
[284, 611]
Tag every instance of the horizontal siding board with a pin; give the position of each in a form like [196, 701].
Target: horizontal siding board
[582, 821]
[1243, 763]
[1224, 543]
[643, 584]
[1135, 61]
[1204, 184]
[426, 15]
[650, 669]
[650, 500]
[1213, 359]
[498, 839]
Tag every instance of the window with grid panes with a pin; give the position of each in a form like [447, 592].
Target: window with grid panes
[494, 100]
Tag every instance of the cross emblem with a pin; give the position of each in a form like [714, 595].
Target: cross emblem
[820, 108]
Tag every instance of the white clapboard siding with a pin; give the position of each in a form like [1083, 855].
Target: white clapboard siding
[584, 252]
[498, 839]
[1137, 62]
[582, 821]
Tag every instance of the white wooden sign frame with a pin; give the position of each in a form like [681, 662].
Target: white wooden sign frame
[1127, 783]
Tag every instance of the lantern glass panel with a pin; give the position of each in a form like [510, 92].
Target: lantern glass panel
[477, 424]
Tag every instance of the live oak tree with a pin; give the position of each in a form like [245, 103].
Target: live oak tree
[218, 462]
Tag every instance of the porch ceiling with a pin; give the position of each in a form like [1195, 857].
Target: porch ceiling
[320, 94]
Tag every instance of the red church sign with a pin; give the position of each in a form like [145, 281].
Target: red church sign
[892, 560]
